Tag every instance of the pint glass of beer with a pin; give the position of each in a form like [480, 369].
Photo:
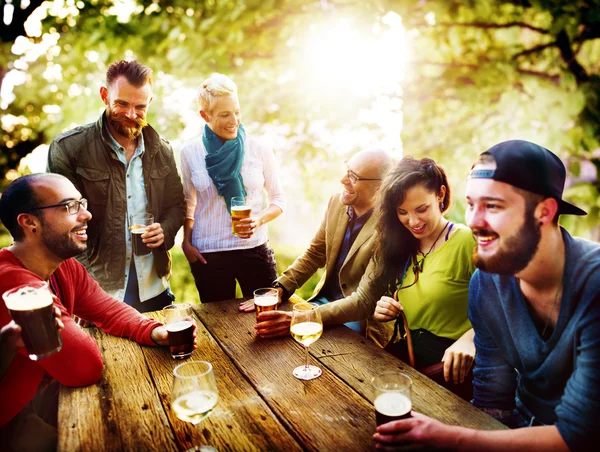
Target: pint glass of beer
[265, 300]
[239, 211]
[32, 307]
[180, 327]
[137, 226]
[391, 397]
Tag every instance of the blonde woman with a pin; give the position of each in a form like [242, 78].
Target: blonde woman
[221, 164]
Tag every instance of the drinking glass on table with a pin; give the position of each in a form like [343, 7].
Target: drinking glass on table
[195, 391]
[391, 396]
[179, 322]
[306, 327]
[265, 300]
[239, 211]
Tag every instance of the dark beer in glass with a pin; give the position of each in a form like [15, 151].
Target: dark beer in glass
[179, 321]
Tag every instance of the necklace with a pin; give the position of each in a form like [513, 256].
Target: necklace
[553, 306]
[419, 266]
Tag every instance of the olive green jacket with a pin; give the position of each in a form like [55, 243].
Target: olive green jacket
[85, 158]
[323, 252]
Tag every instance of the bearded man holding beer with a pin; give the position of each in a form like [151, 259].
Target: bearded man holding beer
[48, 220]
[225, 174]
[127, 173]
[343, 245]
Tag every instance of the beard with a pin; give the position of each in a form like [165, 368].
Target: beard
[516, 252]
[118, 124]
[61, 245]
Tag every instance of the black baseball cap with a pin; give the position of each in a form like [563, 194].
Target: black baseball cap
[530, 167]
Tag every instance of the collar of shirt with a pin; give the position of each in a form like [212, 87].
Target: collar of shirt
[354, 221]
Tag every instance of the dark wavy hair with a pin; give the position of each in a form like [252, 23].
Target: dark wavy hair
[395, 244]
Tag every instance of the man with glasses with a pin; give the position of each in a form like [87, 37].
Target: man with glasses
[48, 220]
[343, 245]
[123, 167]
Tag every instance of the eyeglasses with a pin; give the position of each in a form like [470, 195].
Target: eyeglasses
[354, 178]
[72, 206]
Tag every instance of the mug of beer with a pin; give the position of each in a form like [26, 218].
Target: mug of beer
[31, 306]
[265, 300]
[239, 211]
[391, 396]
[180, 328]
[137, 226]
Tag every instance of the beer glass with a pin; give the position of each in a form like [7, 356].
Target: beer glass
[265, 300]
[391, 396]
[306, 327]
[137, 226]
[179, 322]
[31, 306]
[195, 392]
[239, 210]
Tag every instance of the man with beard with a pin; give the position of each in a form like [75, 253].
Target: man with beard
[123, 167]
[48, 218]
[535, 307]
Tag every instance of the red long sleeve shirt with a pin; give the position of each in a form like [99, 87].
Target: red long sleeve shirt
[79, 363]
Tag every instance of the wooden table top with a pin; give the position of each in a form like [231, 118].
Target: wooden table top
[262, 406]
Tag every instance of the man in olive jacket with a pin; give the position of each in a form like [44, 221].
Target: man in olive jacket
[344, 246]
[123, 167]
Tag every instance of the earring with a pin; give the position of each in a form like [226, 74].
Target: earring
[34, 230]
[442, 206]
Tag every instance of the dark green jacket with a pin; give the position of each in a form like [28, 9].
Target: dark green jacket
[85, 158]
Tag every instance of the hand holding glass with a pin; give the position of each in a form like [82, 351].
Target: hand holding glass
[137, 226]
[195, 391]
[306, 327]
[179, 320]
[239, 211]
[31, 306]
[265, 300]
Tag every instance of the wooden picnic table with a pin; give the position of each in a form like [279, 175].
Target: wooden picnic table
[262, 406]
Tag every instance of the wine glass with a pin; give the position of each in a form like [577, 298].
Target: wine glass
[306, 327]
[195, 391]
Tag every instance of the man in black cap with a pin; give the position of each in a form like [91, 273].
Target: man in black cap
[535, 306]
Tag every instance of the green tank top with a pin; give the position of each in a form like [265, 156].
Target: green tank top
[438, 301]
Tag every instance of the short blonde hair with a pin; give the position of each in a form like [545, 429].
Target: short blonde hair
[217, 85]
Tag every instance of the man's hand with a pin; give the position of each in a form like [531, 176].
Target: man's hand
[387, 309]
[458, 359]
[273, 324]
[160, 335]
[192, 254]
[413, 433]
[10, 334]
[154, 236]
[246, 227]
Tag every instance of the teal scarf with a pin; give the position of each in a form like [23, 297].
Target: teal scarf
[224, 162]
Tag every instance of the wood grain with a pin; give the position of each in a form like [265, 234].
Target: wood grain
[120, 412]
[323, 414]
[241, 420]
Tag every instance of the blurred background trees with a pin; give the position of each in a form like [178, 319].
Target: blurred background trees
[320, 80]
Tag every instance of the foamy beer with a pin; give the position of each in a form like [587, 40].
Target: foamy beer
[391, 397]
[265, 300]
[239, 211]
[32, 308]
[180, 328]
[137, 226]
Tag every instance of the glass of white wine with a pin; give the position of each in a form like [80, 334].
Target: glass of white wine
[195, 391]
[306, 327]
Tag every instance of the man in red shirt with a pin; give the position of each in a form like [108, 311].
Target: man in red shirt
[47, 219]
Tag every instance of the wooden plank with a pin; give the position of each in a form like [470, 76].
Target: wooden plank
[356, 360]
[323, 414]
[241, 420]
[119, 413]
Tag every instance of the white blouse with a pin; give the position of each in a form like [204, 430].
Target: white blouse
[212, 221]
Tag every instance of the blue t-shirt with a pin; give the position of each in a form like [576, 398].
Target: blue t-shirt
[558, 380]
